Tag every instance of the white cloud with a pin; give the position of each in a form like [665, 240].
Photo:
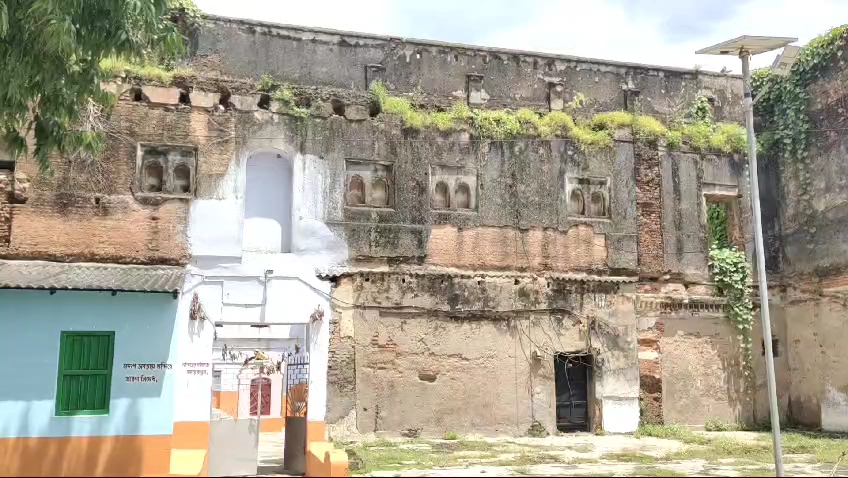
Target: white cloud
[599, 28]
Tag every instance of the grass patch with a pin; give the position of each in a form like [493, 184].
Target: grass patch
[825, 448]
[656, 471]
[721, 448]
[671, 432]
[528, 459]
[630, 457]
[451, 436]
[459, 445]
[716, 425]
[115, 67]
[822, 448]
[755, 471]
[386, 455]
[521, 470]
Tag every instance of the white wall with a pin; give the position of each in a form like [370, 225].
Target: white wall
[267, 203]
[272, 200]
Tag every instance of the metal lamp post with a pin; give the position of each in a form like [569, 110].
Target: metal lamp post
[744, 47]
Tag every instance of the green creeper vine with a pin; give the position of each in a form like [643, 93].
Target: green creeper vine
[731, 273]
[717, 224]
[782, 103]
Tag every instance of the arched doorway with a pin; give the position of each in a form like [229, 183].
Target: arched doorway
[265, 396]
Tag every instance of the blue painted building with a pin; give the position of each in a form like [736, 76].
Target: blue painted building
[87, 358]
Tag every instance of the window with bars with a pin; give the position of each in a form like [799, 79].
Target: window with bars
[85, 373]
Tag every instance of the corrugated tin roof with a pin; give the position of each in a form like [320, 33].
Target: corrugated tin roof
[90, 276]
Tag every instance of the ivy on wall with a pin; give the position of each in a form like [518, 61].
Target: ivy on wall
[717, 223]
[731, 273]
[782, 103]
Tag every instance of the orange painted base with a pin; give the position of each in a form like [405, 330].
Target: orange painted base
[272, 424]
[315, 432]
[86, 456]
[227, 402]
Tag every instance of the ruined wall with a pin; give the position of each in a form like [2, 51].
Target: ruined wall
[814, 231]
[806, 227]
[442, 72]
[467, 363]
[90, 210]
[684, 339]
[818, 384]
[691, 362]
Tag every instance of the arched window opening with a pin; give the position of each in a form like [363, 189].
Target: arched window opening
[463, 196]
[379, 193]
[598, 204]
[356, 191]
[153, 177]
[441, 196]
[575, 203]
[182, 179]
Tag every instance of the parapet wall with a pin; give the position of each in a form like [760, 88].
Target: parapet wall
[443, 72]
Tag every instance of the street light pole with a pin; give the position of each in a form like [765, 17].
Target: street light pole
[761, 262]
[745, 46]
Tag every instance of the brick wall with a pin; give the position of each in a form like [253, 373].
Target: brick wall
[86, 211]
[650, 374]
[649, 210]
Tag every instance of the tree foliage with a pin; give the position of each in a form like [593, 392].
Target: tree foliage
[50, 52]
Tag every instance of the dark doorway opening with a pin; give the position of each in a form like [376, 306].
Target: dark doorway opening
[572, 375]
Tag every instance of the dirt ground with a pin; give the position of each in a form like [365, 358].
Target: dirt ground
[652, 451]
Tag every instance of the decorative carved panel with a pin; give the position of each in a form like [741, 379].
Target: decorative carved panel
[369, 183]
[165, 170]
[587, 197]
[453, 188]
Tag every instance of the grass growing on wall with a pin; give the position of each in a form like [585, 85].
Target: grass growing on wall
[120, 67]
[701, 135]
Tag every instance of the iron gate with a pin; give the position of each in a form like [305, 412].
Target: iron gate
[297, 397]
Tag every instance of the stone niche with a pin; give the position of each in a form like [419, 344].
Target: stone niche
[453, 188]
[165, 170]
[369, 184]
[587, 197]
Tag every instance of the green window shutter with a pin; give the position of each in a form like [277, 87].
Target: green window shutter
[85, 373]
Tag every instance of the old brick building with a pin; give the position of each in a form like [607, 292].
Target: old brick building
[465, 282]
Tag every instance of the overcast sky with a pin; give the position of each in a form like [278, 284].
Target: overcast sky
[659, 32]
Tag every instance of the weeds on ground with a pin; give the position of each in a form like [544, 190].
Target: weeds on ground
[671, 432]
[656, 471]
[630, 457]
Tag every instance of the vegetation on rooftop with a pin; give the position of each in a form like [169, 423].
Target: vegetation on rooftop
[283, 95]
[701, 134]
[141, 70]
